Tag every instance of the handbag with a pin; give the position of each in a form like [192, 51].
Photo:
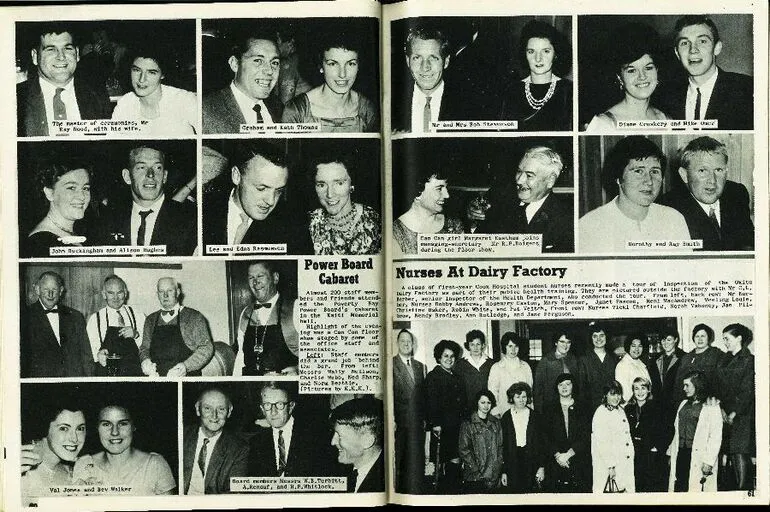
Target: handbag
[612, 486]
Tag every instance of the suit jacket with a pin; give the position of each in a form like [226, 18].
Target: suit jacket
[554, 220]
[228, 459]
[221, 113]
[279, 227]
[736, 231]
[408, 403]
[41, 354]
[309, 453]
[374, 481]
[31, 116]
[176, 227]
[453, 107]
[731, 102]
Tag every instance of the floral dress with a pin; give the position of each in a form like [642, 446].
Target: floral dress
[363, 237]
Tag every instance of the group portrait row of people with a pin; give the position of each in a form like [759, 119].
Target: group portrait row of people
[671, 421]
[228, 430]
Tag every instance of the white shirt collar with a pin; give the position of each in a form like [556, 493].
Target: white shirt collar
[288, 430]
[404, 359]
[705, 95]
[48, 87]
[532, 208]
[246, 104]
[707, 208]
[418, 106]
[155, 206]
[150, 220]
[473, 363]
[234, 218]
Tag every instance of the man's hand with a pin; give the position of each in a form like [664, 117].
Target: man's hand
[504, 480]
[540, 475]
[290, 370]
[562, 459]
[437, 429]
[127, 332]
[178, 370]
[29, 458]
[149, 368]
[101, 357]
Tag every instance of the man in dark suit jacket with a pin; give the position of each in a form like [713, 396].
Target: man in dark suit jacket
[55, 94]
[54, 342]
[717, 94]
[358, 427]
[408, 381]
[207, 470]
[539, 210]
[252, 210]
[716, 210]
[151, 218]
[256, 64]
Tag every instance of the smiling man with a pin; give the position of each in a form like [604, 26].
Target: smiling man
[255, 63]
[358, 430]
[55, 94]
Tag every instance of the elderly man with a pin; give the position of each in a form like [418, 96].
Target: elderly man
[256, 64]
[115, 332]
[55, 94]
[54, 342]
[212, 454]
[408, 388]
[268, 339]
[538, 210]
[151, 218]
[358, 427]
[251, 210]
[176, 340]
[716, 209]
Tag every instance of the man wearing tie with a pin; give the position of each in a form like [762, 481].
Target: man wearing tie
[268, 339]
[54, 342]
[256, 64]
[539, 210]
[408, 381]
[358, 427]
[212, 454]
[716, 209]
[55, 94]
[176, 340]
[115, 332]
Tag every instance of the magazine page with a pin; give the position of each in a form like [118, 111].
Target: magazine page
[578, 252]
[192, 278]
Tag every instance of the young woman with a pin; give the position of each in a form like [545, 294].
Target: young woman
[612, 450]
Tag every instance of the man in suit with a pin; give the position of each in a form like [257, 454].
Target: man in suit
[151, 218]
[268, 339]
[54, 342]
[256, 63]
[408, 381]
[287, 447]
[212, 455]
[358, 427]
[596, 367]
[716, 209]
[55, 94]
[710, 92]
[251, 209]
[539, 210]
[176, 340]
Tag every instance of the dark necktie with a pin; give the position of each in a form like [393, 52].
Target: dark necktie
[352, 480]
[142, 227]
[715, 221]
[164, 313]
[410, 369]
[59, 109]
[697, 104]
[281, 453]
[520, 216]
[257, 108]
[202, 456]
[54, 311]
[261, 305]
[426, 115]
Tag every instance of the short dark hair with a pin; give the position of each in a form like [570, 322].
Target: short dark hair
[54, 27]
[136, 149]
[562, 58]
[483, 392]
[475, 334]
[248, 149]
[406, 331]
[338, 39]
[516, 389]
[703, 144]
[613, 387]
[364, 413]
[636, 336]
[633, 147]
[426, 34]
[155, 51]
[242, 42]
[740, 330]
[594, 327]
[639, 40]
[696, 19]
[290, 388]
[564, 377]
[50, 172]
[443, 345]
[345, 160]
[670, 331]
[704, 327]
[507, 338]
[698, 379]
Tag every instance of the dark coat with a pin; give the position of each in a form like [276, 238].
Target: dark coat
[705, 362]
[557, 440]
[408, 404]
[664, 383]
[594, 374]
[521, 473]
[475, 380]
[544, 383]
[445, 406]
[228, 460]
[375, 478]
[736, 231]
[221, 113]
[736, 390]
[310, 454]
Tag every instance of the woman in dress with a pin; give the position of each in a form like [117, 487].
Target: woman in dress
[145, 473]
[475, 365]
[632, 364]
[555, 363]
[612, 449]
[342, 226]
[169, 111]
[736, 390]
[703, 358]
[523, 465]
[649, 436]
[66, 186]
[635, 71]
[334, 105]
[426, 214]
[542, 101]
[507, 371]
[481, 446]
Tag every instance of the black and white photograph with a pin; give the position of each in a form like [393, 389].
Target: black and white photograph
[666, 67]
[267, 429]
[321, 71]
[122, 70]
[305, 196]
[98, 439]
[481, 69]
[575, 406]
[77, 194]
[666, 193]
[125, 319]
[484, 185]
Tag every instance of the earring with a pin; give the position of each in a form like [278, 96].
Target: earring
[352, 188]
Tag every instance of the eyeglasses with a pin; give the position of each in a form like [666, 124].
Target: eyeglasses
[268, 406]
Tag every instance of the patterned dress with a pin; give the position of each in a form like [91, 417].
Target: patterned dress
[363, 237]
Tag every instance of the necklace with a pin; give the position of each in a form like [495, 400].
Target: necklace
[342, 223]
[538, 104]
[69, 232]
